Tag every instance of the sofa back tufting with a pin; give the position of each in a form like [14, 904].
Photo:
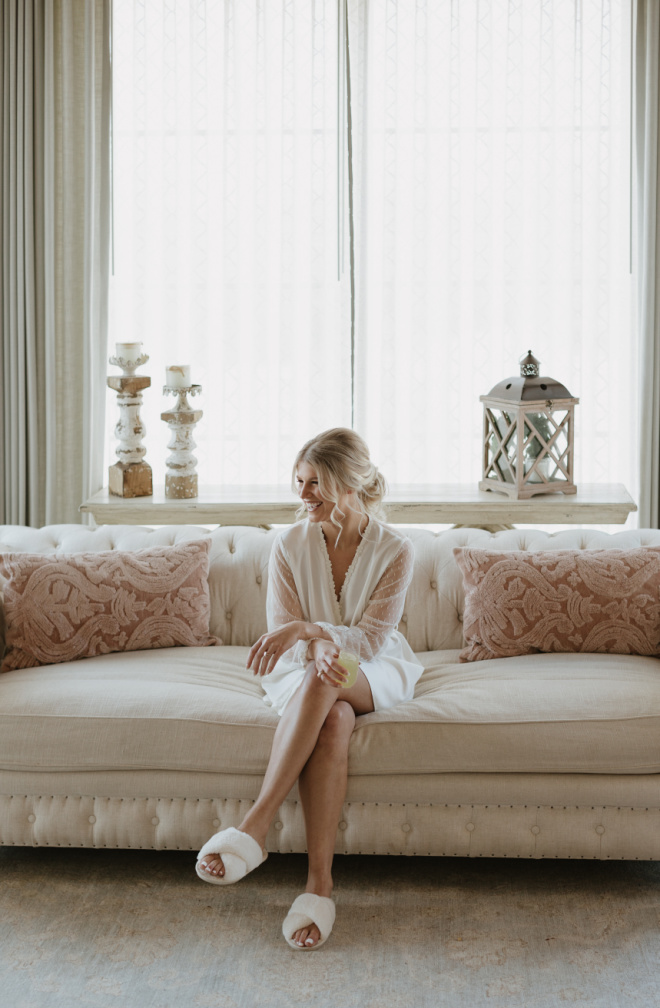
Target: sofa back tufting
[238, 576]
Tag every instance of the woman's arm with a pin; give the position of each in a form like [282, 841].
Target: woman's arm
[287, 629]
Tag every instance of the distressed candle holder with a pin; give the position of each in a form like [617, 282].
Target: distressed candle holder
[181, 474]
[131, 475]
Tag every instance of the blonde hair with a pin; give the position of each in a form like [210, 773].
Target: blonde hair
[342, 463]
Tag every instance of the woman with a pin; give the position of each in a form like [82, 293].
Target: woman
[337, 581]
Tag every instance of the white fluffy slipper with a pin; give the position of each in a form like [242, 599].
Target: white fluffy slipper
[240, 854]
[307, 909]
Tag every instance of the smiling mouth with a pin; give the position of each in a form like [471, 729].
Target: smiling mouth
[312, 506]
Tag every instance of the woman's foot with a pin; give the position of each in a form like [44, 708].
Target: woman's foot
[309, 922]
[229, 855]
[212, 865]
[307, 937]
[310, 936]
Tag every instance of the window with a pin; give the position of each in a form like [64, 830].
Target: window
[489, 161]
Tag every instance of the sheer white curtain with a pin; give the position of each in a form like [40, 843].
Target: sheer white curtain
[490, 155]
[225, 224]
[493, 218]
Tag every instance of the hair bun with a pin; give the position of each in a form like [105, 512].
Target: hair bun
[375, 485]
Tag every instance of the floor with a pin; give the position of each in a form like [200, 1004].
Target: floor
[137, 928]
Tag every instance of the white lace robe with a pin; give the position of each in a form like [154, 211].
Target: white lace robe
[363, 619]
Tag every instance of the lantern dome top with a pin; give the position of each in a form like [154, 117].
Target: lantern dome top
[531, 386]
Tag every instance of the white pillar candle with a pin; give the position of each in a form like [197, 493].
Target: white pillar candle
[129, 352]
[178, 376]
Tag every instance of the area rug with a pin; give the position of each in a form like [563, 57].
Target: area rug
[138, 929]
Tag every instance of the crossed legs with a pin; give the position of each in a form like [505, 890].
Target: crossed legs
[311, 746]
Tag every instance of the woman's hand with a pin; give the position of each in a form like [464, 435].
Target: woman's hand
[328, 669]
[271, 646]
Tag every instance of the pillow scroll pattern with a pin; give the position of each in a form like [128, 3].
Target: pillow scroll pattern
[520, 603]
[63, 607]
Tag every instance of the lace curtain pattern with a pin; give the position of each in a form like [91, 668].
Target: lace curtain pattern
[490, 165]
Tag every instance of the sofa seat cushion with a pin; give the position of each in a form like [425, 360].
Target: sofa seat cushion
[549, 713]
[199, 709]
[173, 709]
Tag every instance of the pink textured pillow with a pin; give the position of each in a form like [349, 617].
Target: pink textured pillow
[521, 603]
[62, 607]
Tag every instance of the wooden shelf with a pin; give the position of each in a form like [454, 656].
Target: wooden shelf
[424, 504]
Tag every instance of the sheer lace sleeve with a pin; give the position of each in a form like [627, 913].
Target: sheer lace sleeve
[383, 612]
[282, 602]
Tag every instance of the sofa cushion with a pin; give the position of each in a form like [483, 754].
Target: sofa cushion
[519, 603]
[59, 608]
[546, 713]
[200, 710]
[238, 570]
[172, 709]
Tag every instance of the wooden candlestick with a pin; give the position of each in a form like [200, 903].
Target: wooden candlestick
[131, 475]
[181, 476]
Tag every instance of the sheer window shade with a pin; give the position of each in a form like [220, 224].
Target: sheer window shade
[225, 208]
[490, 153]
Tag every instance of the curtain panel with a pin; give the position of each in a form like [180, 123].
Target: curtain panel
[647, 245]
[56, 91]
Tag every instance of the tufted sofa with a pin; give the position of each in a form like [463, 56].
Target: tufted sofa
[536, 756]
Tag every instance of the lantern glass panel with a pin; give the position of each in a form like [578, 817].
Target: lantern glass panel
[502, 445]
[546, 443]
[561, 444]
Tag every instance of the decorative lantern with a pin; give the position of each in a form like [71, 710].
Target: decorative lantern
[528, 435]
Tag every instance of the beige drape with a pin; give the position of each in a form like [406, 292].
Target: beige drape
[646, 124]
[54, 216]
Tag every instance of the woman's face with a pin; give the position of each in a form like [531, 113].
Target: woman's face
[307, 482]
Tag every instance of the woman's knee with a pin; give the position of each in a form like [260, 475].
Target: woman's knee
[338, 725]
[312, 683]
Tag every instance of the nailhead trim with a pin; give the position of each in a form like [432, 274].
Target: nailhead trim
[156, 823]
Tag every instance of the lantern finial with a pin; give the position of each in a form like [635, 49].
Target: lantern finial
[530, 367]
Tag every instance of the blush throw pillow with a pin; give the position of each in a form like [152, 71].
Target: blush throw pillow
[62, 607]
[522, 603]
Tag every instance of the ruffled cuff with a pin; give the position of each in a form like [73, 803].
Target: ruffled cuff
[299, 654]
[334, 632]
[351, 639]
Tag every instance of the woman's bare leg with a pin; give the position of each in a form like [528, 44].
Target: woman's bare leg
[322, 786]
[295, 739]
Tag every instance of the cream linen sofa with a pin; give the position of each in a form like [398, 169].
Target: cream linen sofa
[541, 756]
